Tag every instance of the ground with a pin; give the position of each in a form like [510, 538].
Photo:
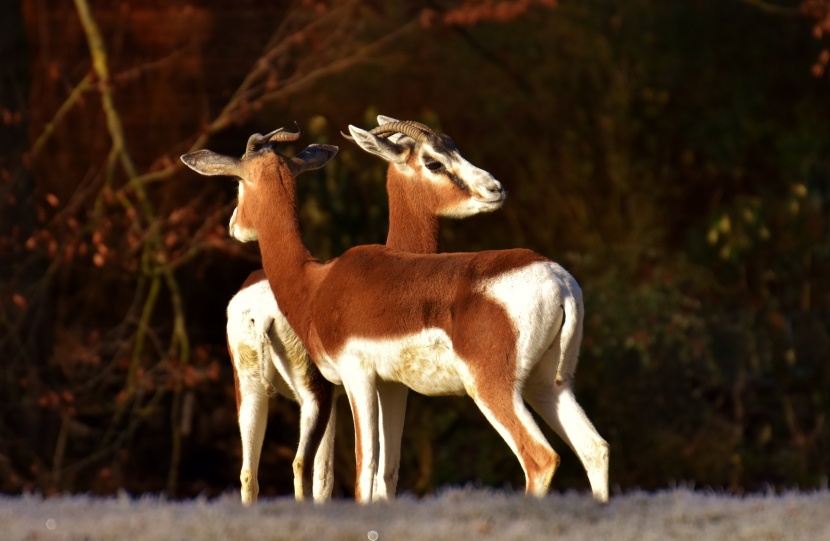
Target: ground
[458, 514]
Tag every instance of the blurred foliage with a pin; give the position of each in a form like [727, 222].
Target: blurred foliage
[674, 156]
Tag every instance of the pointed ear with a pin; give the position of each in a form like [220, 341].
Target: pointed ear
[379, 146]
[211, 164]
[312, 157]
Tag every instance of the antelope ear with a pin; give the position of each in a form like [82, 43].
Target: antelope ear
[211, 164]
[389, 150]
[312, 157]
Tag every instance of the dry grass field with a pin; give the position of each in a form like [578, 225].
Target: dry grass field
[456, 514]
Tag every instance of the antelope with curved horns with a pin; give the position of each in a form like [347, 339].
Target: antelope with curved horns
[263, 346]
[499, 326]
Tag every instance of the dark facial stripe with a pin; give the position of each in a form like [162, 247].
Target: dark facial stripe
[457, 181]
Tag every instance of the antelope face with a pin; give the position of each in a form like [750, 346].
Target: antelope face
[432, 169]
[463, 188]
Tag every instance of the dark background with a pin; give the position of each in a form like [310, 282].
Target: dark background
[673, 155]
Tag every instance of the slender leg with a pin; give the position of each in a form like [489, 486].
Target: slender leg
[558, 407]
[505, 410]
[253, 419]
[324, 459]
[315, 408]
[392, 410]
[482, 338]
[362, 394]
[309, 417]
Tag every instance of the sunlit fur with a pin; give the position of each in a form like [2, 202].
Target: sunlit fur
[417, 196]
[257, 327]
[237, 232]
[376, 294]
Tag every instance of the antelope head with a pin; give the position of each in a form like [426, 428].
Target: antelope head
[429, 161]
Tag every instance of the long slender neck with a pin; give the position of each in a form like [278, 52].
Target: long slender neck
[413, 224]
[292, 272]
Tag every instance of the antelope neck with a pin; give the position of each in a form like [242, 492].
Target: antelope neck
[293, 274]
[413, 225]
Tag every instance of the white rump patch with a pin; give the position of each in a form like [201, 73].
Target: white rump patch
[533, 297]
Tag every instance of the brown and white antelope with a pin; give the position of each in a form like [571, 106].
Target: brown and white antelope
[266, 353]
[499, 326]
[264, 348]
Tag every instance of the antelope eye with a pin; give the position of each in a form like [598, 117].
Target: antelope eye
[433, 165]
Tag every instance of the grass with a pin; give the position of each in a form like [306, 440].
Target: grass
[456, 514]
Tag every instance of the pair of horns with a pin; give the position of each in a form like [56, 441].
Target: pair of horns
[277, 136]
[419, 132]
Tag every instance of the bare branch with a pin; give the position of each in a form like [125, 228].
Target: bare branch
[73, 98]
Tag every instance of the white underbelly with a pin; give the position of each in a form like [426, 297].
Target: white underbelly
[424, 362]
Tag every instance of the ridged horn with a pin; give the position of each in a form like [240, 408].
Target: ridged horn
[279, 136]
[419, 132]
[257, 140]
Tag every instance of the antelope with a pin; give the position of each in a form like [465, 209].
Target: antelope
[267, 356]
[500, 326]
[264, 348]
